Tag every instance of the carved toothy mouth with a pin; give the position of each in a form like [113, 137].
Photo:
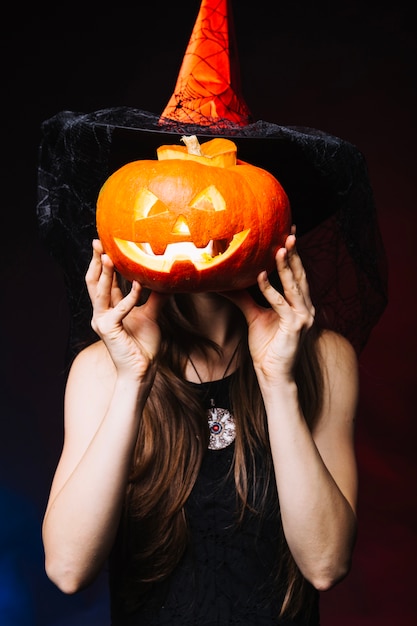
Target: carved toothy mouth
[215, 252]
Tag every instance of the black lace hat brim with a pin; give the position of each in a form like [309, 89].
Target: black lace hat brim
[325, 177]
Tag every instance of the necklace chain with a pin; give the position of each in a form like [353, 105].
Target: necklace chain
[227, 366]
[220, 421]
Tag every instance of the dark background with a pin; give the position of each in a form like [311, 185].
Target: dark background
[345, 67]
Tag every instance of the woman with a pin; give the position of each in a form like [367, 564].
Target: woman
[240, 524]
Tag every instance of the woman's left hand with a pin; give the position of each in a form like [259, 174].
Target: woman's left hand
[275, 334]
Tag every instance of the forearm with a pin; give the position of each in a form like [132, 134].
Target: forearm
[318, 521]
[82, 517]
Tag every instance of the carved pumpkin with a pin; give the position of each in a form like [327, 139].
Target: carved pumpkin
[193, 222]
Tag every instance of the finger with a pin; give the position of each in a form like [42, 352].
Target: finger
[294, 259]
[274, 297]
[97, 245]
[116, 292]
[102, 295]
[297, 267]
[294, 316]
[295, 287]
[300, 310]
[94, 271]
[107, 320]
[126, 304]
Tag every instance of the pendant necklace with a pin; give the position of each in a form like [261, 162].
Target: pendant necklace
[221, 422]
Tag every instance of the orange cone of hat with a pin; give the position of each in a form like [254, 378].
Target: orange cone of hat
[207, 91]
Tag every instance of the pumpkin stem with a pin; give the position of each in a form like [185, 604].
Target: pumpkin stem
[193, 145]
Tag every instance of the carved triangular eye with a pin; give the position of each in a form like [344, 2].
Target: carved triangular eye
[181, 226]
[147, 203]
[210, 199]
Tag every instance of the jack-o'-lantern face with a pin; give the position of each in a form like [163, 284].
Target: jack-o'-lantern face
[192, 223]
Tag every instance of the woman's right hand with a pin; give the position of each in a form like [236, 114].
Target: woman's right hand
[131, 333]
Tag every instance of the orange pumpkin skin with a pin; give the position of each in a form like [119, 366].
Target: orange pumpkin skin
[232, 220]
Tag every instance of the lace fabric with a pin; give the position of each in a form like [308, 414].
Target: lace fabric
[325, 178]
[227, 575]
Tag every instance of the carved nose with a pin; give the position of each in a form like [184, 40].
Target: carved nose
[181, 227]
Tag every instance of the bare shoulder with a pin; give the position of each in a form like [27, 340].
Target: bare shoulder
[340, 378]
[93, 362]
[334, 431]
[90, 381]
[336, 353]
[94, 357]
[88, 390]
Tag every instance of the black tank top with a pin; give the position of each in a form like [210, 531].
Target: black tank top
[227, 575]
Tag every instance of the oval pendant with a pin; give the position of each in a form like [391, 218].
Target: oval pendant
[222, 428]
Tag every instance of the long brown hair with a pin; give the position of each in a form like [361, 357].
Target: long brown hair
[172, 440]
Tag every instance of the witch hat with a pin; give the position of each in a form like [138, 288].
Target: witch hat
[208, 89]
[325, 178]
